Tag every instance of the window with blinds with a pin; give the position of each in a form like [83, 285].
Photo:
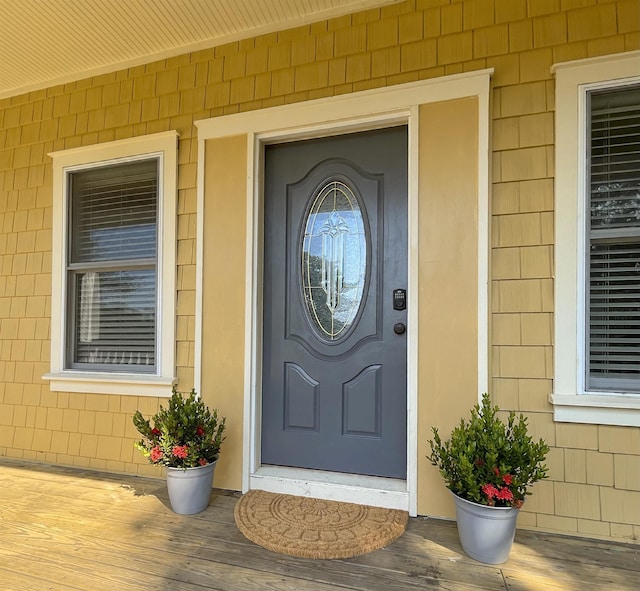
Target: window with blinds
[112, 268]
[613, 262]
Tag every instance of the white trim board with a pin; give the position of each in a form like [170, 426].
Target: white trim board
[348, 488]
[371, 109]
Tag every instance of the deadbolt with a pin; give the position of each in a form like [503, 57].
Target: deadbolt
[399, 328]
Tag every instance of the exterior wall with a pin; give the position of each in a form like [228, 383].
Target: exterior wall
[594, 488]
[223, 295]
[448, 279]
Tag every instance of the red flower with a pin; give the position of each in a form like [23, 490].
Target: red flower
[496, 471]
[156, 454]
[479, 462]
[504, 494]
[199, 431]
[507, 479]
[490, 490]
[202, 462]
[155, 431]
[180, 451]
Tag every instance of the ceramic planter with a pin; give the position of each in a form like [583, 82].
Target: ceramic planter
[190, 489]
[486, 533]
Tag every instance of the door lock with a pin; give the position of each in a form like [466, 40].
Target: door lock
[399, 299]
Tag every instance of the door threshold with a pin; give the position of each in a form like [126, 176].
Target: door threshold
[390, 493]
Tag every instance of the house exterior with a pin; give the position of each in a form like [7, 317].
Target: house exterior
[453, 136]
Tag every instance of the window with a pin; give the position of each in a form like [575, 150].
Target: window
[113, 269]
[613, 268]
[597, 197]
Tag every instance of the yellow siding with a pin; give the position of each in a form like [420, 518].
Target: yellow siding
[594, 485]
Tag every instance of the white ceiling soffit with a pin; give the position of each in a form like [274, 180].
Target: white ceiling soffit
[48, 42]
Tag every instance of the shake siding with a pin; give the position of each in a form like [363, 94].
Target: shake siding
[594, 489]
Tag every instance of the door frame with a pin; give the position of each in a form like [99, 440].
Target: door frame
[360, 111]
[388, 492]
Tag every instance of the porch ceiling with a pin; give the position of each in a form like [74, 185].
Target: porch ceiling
[44, 43]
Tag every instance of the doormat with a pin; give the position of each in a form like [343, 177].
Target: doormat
[314, 528]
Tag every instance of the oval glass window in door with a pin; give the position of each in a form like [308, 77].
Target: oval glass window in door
[334, 260]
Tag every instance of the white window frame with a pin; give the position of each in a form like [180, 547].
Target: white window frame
[164, 147]
[571, 400]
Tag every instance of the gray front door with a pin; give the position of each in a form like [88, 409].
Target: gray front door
[335, 270]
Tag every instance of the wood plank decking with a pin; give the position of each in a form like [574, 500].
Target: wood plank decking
[70, 529]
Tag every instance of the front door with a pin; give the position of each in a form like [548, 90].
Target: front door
[335, 274]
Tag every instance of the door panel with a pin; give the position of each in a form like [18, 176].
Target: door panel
[334, 370]
[362, 410]
[301, 400]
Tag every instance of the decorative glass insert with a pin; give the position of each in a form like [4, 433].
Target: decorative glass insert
[334, 259]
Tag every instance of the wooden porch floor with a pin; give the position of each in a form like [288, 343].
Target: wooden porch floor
[63, 528]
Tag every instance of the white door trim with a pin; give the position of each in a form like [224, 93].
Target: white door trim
[359, 111]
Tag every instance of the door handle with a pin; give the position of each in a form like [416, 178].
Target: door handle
[399, 328]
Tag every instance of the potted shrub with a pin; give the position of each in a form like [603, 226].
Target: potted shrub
[488, 466]
[185, 437]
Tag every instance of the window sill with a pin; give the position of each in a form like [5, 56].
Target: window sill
[597, 409]
[106, 383]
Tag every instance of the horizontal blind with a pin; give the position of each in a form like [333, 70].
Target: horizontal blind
[116, 319]
[112, 268]
[614, 236]
[114, 212]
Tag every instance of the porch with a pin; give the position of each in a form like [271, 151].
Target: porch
[65, 528]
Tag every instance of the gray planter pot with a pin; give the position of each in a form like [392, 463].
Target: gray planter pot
[190, 489]
[486, 533]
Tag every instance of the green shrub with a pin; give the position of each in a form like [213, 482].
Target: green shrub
[184, 435]
[487, 461]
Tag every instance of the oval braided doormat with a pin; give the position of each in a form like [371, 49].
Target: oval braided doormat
[314, 528]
